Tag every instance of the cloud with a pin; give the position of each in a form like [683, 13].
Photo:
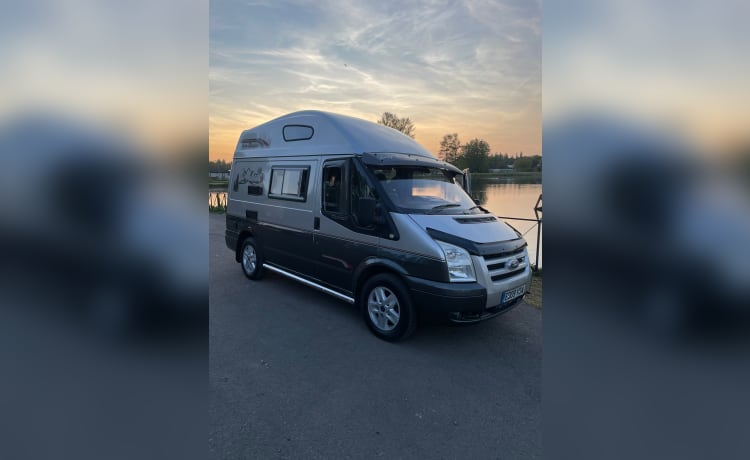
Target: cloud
[471, 67]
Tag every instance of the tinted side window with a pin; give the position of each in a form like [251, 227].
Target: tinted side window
[344, 186]
[298, 132]
[359, 189]
[334, 189]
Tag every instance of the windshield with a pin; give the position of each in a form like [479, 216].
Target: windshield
[424, 190]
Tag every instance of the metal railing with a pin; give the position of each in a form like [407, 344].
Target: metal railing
[538, 224]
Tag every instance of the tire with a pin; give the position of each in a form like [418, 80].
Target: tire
[251, 260]
[386, 293]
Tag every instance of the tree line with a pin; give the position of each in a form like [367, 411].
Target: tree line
[217, 166]
[474, 155]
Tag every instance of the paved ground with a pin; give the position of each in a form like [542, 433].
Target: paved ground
[295, 373]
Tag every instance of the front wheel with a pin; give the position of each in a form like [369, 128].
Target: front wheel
[251, 260]
[387, 308]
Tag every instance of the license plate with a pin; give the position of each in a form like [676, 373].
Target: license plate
[512, 293]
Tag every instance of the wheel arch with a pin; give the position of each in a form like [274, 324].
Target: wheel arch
[371, 267]
[245, 234]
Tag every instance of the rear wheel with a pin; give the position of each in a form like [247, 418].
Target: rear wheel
[251, 260]
[387, 308]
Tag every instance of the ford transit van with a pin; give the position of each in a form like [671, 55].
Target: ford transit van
[366, 214]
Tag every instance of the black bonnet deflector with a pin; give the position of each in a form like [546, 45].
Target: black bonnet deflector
[479, 249]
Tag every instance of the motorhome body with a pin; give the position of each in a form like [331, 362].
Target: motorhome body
[366, 214]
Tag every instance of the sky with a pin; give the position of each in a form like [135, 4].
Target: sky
[470, 67]
[137, 67]
[678, 63]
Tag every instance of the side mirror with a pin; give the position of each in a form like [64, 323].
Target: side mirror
[466, 180]
[476, 201]
[366, 211]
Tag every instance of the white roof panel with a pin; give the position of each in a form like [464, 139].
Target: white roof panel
[333, 134]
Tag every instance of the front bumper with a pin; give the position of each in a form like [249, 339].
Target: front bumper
[467, 318]
[470, 302]
[458, 302]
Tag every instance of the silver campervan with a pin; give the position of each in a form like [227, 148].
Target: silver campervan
[364, 213]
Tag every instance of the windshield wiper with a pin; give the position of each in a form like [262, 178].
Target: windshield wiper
[480, 208]
[443, 206]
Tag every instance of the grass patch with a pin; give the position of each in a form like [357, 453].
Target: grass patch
[534, 298]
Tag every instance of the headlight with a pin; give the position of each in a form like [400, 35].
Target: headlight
[459, 263]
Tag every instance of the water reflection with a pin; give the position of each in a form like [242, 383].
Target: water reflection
[512, 197]
[217, 200]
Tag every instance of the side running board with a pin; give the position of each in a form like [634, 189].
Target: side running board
[309, 283]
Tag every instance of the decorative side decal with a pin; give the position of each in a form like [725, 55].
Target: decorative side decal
[253, 176]
[254, 143]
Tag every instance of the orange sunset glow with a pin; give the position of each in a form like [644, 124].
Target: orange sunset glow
[469, 68]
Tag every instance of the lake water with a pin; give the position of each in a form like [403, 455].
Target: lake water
[510, 197]
[504, 197]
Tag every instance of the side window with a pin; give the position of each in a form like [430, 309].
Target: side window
[359, 189]
[334, 189]
[345, 186]
[297, 133]
[289, 183]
